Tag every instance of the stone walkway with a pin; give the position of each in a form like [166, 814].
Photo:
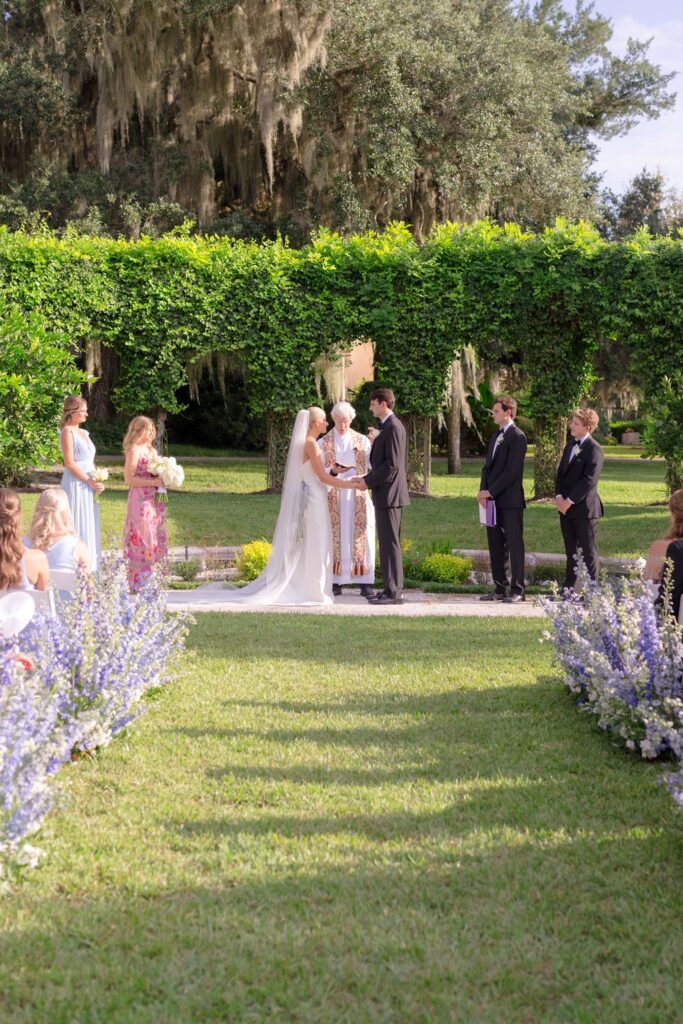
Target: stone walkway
[210, 598]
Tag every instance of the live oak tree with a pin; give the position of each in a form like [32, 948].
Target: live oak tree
[126, 117]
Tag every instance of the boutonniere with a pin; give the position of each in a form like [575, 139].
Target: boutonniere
[499, 440]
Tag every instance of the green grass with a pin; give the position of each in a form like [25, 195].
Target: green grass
[217, 506]
[189, 451]
[411, 825]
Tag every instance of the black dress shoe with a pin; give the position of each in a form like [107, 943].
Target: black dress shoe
[388, 599]
[373, 597]
[366, 591]
[514, 599]
[493, 597]
[336, 589]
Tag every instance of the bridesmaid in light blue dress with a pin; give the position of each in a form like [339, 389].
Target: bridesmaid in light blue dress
[78, 452]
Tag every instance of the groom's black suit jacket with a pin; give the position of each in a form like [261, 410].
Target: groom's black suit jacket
[388, 479]
[578, 479]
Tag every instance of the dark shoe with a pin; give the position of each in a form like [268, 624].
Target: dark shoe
[493, 597]
[514, 599]
[374, 596]
[387, 599]
[336, 589]
[366, 591]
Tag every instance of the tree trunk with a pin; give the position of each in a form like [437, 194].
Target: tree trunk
[279, 433]
[549, 438]
[160, 424]
[674, 475]
[100, 405]
[454, 426]
[419, 451]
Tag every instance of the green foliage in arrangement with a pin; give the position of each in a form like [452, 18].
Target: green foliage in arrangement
[36, 372]
[252, 559]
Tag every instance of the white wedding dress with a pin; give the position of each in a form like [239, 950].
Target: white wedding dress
[299, 570]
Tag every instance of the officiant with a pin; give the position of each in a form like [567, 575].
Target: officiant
[352, 513]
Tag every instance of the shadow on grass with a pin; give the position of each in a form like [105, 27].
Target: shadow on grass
[419, 934]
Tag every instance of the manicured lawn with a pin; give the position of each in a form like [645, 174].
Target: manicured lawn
[350, 821]
[217, 507]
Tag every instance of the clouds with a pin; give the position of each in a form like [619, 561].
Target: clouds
[656, 144]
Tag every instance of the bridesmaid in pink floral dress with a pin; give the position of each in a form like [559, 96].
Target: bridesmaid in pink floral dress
[145, 541]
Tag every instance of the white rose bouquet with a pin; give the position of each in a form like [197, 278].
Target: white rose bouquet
[170, 473]
[101, 475]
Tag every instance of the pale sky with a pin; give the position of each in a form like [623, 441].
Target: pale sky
[657, 144]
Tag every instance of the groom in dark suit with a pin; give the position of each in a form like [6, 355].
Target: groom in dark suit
[388, 482]
[576, 494]
[501, 480]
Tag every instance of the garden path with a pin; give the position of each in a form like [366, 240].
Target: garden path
[211, 598]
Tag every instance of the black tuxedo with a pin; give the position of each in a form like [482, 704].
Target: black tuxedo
[675, 553]
[502, 476]
[388, 481]
[577, 479]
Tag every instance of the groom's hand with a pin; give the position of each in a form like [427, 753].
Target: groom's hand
[359, 483]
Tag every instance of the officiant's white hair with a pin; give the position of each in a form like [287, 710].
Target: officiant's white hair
[343, 409]
[315, 414]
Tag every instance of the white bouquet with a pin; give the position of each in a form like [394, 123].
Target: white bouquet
[101, 475]
[171, 474]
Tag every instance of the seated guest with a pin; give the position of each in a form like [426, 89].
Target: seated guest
[21, 567]
[52, 531]
[669, 547]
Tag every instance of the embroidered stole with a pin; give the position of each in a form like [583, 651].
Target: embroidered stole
[360, 511]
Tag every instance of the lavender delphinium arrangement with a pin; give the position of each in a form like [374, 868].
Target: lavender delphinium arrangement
[93, 662]
[109, 647]
[33, 744]
[622, 656]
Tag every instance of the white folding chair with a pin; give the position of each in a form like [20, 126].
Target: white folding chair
[44, 600]
[63, 579]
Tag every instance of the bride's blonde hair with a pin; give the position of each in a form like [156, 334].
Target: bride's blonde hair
[51, 518]
[137, 428]
[315, 413]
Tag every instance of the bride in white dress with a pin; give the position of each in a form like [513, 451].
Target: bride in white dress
[299, 570]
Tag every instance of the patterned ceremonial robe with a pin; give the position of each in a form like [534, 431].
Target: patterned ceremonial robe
[352, 513]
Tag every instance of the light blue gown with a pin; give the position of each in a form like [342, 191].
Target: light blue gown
[84, 509]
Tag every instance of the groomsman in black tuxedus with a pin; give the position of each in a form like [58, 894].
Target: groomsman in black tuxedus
[388, 481]
[501, 479]
[576, 494]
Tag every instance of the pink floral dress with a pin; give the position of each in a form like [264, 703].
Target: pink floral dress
[145, 540]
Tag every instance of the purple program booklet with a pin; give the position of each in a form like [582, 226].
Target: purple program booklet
[487, 516]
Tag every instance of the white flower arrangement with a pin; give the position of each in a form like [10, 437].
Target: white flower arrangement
[169, 471]
[100, 474]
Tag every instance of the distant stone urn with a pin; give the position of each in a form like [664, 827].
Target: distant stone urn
[630, 437]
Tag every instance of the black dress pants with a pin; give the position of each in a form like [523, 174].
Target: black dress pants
[579, 534]
[506, 549]
[390, 558]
